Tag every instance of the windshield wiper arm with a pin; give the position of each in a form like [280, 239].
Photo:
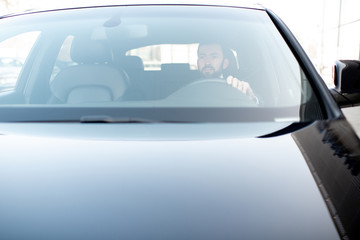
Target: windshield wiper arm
[108, 119]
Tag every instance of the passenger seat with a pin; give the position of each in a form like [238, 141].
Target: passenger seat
[93, 79]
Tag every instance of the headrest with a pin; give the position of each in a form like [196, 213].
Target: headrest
[233, 68]
[132, 63]
[85, 50]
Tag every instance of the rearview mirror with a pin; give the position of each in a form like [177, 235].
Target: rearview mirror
[346, 76]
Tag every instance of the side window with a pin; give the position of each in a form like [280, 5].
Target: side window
[13, 54]
[155, 55]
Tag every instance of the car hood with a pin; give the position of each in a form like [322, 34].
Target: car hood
[90, 186]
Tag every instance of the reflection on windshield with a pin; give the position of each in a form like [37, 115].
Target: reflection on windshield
[335, 166]
[170, 57]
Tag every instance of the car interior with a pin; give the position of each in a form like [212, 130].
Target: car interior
[81, 83]
[133, 62]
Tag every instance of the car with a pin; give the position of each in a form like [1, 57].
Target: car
[125, 123]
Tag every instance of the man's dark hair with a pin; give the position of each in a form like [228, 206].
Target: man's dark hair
[210, 43]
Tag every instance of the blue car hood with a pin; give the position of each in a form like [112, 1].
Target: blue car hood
[60, 183]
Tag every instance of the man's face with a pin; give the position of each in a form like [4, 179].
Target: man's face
[211, 61]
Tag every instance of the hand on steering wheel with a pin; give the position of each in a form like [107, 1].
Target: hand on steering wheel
[243, 87]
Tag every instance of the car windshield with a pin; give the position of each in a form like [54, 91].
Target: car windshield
[150, 63]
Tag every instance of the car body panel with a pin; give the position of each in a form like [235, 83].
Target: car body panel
[335, 165]
[214, 188]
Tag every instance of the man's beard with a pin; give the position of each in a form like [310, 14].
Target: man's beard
[211, 74]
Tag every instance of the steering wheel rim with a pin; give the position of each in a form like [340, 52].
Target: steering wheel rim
[208, 80]
[212, 90]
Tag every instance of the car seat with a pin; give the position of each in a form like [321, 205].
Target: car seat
[133, 66]
[93, 78]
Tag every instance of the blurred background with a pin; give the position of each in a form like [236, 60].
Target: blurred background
[327, 29]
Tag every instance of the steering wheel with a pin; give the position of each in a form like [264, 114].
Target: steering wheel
[207, 81]
[211, 92]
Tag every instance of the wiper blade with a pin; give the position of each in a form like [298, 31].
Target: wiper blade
[104, 119]
[108, 119]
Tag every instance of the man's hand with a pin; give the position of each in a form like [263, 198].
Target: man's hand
[243, 87]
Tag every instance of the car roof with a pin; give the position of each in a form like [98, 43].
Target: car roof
[233, 3]
[98, 3]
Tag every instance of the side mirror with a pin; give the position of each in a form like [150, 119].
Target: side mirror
[346, 76]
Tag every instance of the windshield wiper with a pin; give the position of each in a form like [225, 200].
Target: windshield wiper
[105, 119]
[108, 119]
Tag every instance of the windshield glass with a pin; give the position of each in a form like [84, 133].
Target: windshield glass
[163, 63]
